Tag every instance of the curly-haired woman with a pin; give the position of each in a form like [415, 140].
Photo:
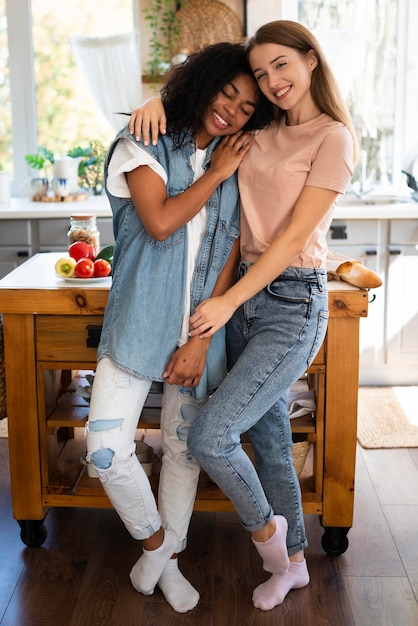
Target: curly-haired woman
[176, 225]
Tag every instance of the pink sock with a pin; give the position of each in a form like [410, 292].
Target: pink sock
[274, 550]
[272, 593]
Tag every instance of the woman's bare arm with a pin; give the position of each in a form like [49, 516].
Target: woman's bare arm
[163, 215]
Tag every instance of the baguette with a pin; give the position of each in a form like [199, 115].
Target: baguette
[359, 275]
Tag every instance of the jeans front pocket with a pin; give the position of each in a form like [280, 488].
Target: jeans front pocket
[288, 290]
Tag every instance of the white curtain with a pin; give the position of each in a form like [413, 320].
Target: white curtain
[113, 71]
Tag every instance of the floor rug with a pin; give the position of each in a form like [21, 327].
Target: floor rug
[388, 417]
[3, 427]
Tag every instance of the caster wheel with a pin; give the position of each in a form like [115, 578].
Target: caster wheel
[334, 540]
[33, 532]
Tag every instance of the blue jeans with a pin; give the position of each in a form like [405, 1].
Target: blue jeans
[272, 339]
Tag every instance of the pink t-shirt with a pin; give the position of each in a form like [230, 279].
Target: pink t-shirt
[271, 178]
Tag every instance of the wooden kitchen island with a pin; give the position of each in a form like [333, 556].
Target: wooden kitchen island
[51, 329]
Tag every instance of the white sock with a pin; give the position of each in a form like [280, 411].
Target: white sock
[177, 590]
[149, 567]
[272, 593]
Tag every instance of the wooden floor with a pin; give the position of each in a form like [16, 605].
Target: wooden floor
[79, 577]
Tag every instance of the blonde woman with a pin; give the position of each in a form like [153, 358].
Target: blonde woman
[276, 313]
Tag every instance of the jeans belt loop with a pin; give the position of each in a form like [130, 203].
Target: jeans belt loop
[320, 278]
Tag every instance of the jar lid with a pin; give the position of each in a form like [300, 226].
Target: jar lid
[82, 217]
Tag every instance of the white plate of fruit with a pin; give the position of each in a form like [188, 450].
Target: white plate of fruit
[82, 265]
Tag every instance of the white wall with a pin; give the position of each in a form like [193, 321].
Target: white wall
[260, 12]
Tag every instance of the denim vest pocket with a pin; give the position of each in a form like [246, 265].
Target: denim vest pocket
[176, 239]
[226, 235]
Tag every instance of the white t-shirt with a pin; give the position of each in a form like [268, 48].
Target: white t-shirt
[126, 157]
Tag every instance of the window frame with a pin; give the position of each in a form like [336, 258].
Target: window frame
[22, 88]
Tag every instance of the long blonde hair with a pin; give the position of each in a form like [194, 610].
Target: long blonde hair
[324, 89]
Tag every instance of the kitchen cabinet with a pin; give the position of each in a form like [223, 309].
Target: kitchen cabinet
[402, 305]
[389, 335]
[51, 234]
[363, 240]
[52, 327]
[15, 244]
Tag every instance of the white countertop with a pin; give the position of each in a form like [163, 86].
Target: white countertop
[24, 208]
[38, 272]
[397, 210]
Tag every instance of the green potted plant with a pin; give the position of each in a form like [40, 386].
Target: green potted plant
[91, 167]
[41, 160]
[164, 27]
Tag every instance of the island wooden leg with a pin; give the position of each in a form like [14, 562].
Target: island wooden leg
[22, 409]
[342, 374]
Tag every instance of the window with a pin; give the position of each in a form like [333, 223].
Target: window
[67, 112]
[5, 102]
[360, 41]
[59, 110]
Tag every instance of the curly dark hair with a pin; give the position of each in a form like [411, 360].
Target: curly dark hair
[193, 85]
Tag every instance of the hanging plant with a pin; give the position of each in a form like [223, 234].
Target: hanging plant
[164, 27]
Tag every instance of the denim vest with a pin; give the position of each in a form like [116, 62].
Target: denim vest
[144, 313]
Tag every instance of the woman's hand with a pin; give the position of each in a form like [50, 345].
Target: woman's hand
[150, 116]
[187, 363]
[210, 315]
[229, 153]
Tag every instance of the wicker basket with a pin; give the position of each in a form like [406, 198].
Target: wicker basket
[205, 23]
[299, 453]
[3, 409]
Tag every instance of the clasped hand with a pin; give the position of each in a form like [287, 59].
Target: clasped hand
[209, 316]
[187, 364]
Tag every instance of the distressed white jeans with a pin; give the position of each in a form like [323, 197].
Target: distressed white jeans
[116, 404]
